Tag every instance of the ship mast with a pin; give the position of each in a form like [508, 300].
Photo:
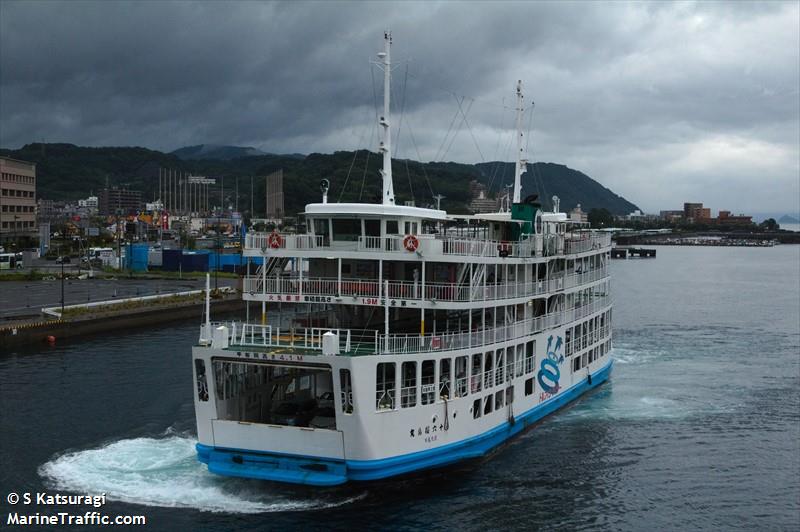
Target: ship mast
[385, 145]
[521, 163]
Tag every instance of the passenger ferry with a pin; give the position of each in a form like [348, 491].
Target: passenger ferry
[418, 338]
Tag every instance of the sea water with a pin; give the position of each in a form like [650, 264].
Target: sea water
[699, 427]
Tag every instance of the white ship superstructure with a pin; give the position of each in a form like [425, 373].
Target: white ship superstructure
[412, 338]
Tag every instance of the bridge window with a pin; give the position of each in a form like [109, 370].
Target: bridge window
[408, 392]
[391, 227]
[385, 391]
[346, 229]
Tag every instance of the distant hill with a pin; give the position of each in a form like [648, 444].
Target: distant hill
[548, 179]
[786, 219]
[215, 151]
[69, 172]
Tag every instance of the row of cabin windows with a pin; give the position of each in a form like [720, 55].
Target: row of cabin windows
[458, 377]
[586, 333]
[350, 229]
[496, 401]
[590, 356]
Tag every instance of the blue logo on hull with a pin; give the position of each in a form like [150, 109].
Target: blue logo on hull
[549, 372]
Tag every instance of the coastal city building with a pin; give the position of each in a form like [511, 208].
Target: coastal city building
[725, 217]
[577, 215]
[17, 199]
[696, 212]
[481, 202]
[115, 200]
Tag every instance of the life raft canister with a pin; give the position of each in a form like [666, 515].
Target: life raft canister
[275, 240]
[411, 243]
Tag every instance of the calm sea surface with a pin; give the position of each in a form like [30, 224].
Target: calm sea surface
[699, 427]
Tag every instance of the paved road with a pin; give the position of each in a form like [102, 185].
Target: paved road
[26, 298]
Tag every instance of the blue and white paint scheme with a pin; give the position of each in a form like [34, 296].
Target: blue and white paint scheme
[407, 338]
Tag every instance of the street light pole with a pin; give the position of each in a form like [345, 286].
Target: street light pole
[62, 286]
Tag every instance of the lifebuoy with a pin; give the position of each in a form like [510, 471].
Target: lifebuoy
[411, 243]
[275, 240]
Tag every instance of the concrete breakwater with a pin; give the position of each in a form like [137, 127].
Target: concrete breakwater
[105, 320]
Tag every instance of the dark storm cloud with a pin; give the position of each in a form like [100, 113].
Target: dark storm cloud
[662, 102]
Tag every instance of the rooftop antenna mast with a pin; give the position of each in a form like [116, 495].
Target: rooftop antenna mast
[385, 145]
[522, 163]
[439, 198]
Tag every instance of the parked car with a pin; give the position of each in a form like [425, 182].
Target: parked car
[63, 260]
[324, 418]
[326, 399]
[293, 413]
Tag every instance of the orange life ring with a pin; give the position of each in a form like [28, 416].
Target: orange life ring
[411, 243]
[275, 240]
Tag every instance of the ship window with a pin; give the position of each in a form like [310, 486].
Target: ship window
[585, 359]
[476, 409]
[346, 229]
[520, 364]
[372, 227]
[428, 382]
[528, 386]
[488, 374]
[385, 395]
[576, 364]
[411, 228]
[509, 395]
[477, 372]
[444, 378]
[391, 227]
[408, 391]
[510, 363]
[498, 399]
[487, 404]
[202, 381]
[347, 391]
[529, 349]
[500, 373]
[461, 377]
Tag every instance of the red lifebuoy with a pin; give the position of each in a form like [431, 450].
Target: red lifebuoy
[275, 240]
[411, 243]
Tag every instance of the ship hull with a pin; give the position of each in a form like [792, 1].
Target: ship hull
[316, 471]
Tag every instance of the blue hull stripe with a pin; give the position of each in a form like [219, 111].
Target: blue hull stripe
[325, 472]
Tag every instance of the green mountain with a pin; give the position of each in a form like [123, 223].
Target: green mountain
[69, 172]
[548, 179]
[215, 151]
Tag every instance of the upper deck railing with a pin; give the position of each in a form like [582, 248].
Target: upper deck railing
[367, 342]
[409, 290]
[430, 244]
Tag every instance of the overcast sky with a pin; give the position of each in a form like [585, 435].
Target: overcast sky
[661, 102]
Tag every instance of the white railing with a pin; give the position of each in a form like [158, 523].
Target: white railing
[356, 342]
[584, 341]
[532, 246]
[326, 286]
[587, 242]
[265, 241]
[415, 343]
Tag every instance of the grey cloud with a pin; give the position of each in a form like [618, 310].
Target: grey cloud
[631, 94]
